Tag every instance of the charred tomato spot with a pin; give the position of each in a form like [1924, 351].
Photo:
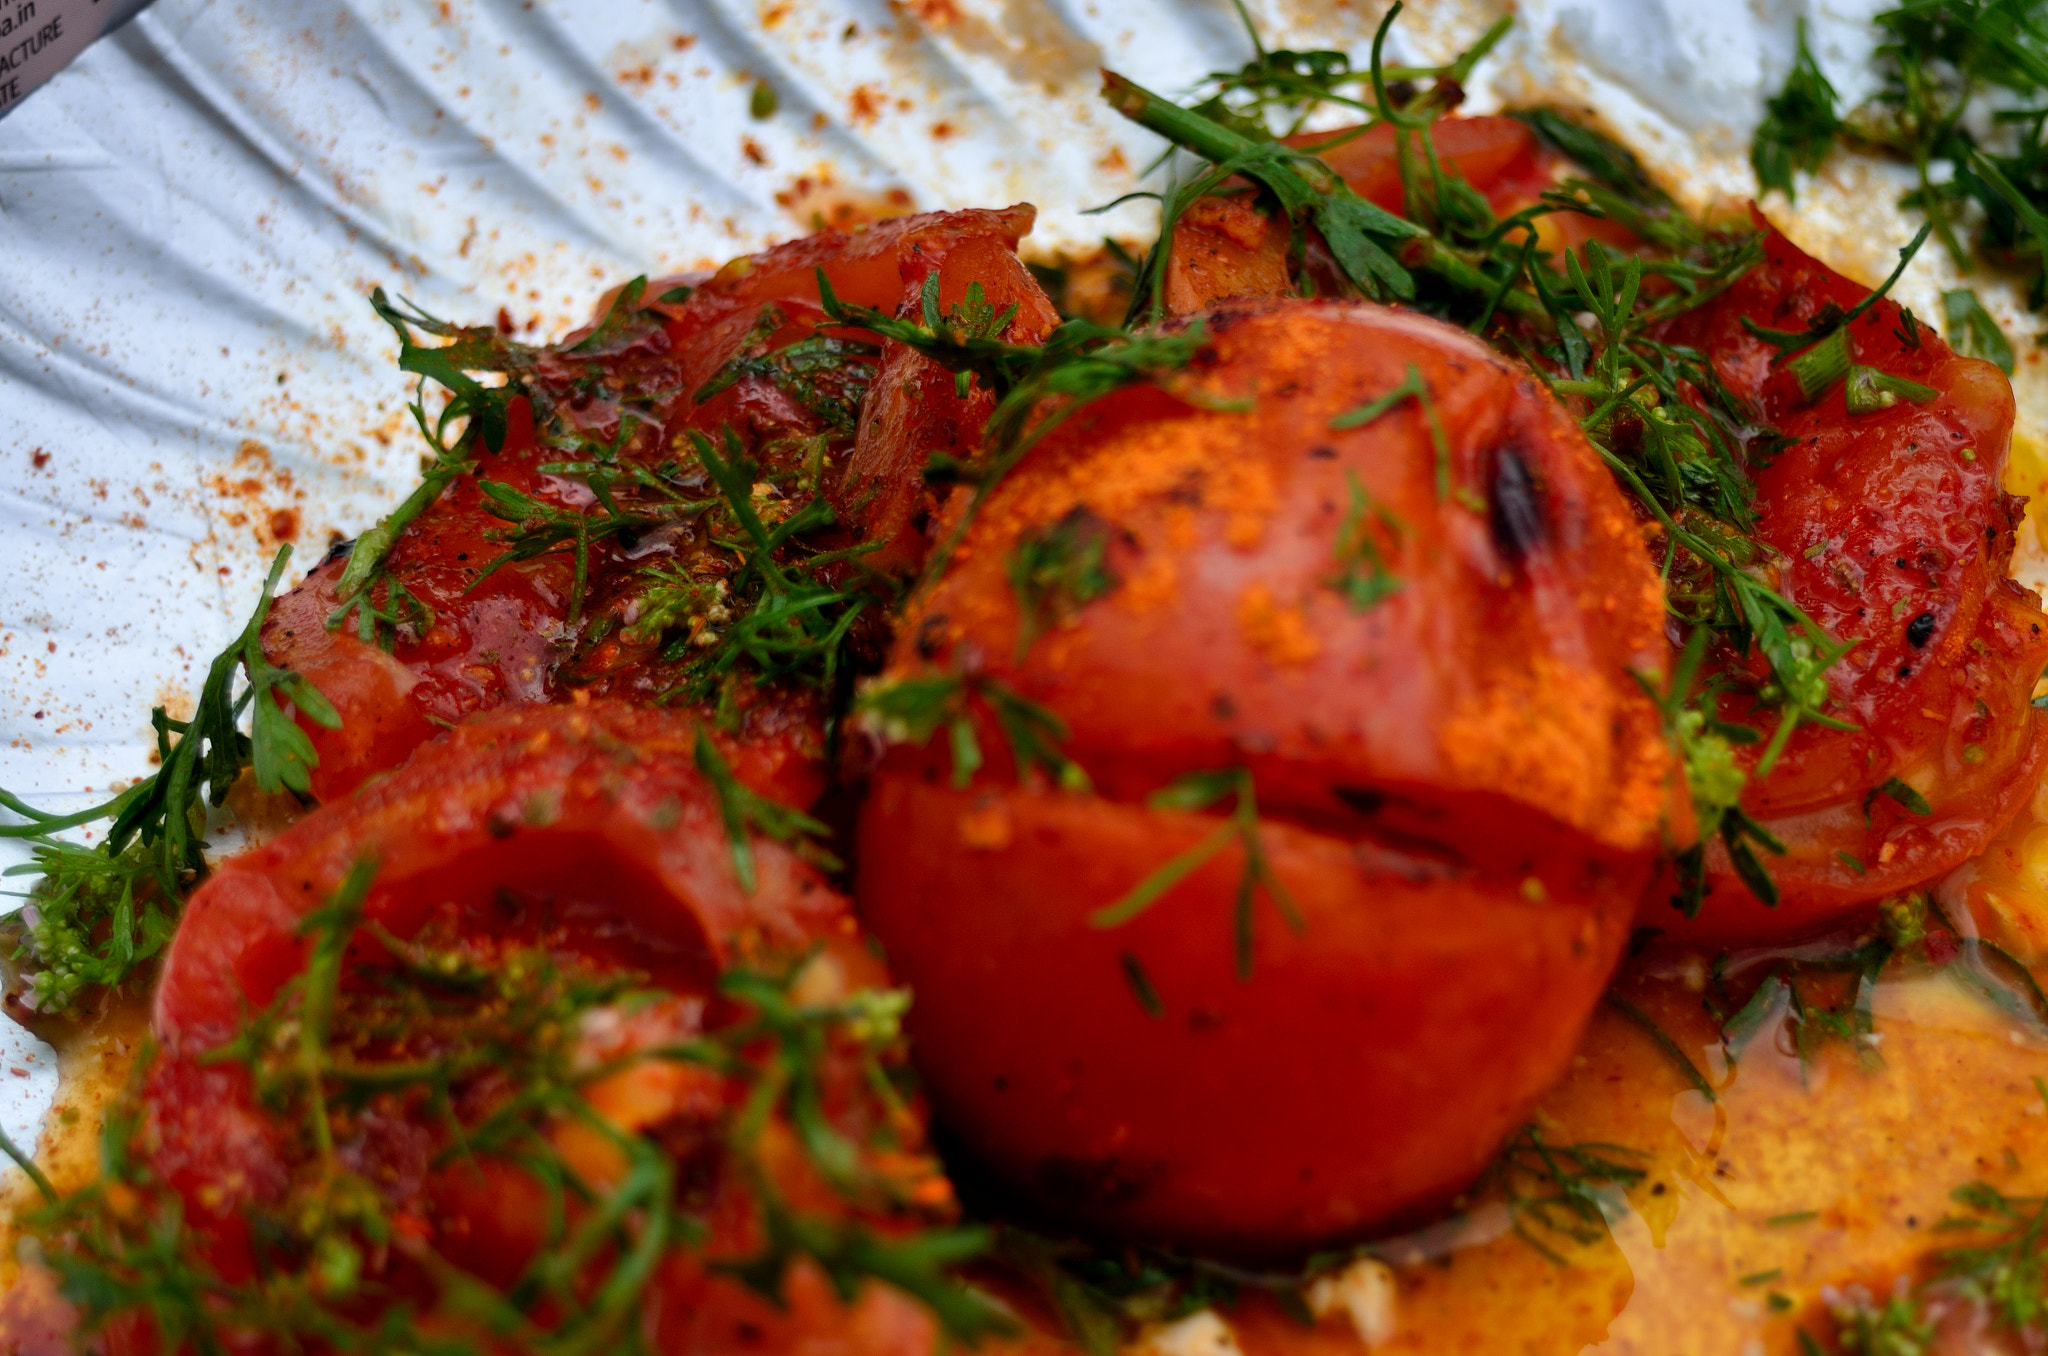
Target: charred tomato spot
[1362, 799]
[1920, 630]
[1514, 508]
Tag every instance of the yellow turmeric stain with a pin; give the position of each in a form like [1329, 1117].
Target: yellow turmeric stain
[1151, 585]
[1542, 731]
[1278, 633]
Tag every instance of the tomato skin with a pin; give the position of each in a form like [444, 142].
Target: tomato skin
[865, 267]
[1492, 673]
[1225, 249]
[1892, 529]
[1476, 726]
[1499, 156]
[1365, 1071]
[506, 639]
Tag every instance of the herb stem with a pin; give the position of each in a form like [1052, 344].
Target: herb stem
[1643, 1022]
[27, 1164]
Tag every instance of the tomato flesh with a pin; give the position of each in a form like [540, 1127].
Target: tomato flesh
[510, 639]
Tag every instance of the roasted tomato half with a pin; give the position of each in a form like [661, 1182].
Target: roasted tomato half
[1337, 624]
[509, 1014]
[1889, 525]
[519, 582]
[1231, 245]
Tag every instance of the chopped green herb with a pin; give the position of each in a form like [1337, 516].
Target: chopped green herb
[1056, 570]
[1870, 390]
[1191, 793]
[1894, 789]
[745, 811]
[1560, 1189]
[1668, 1047]
[1412, 387]
[786, 621]
[1799, 125]
[1820, 367]
[1362, 576]
[827, 376]
[102, 911]
[913, 709]
[1972, 330]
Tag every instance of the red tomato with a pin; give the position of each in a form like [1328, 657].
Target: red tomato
[1224, 248]
[1499, 156]
[584, 831]
[508, 638]
[1892, 530]
[1458, 780]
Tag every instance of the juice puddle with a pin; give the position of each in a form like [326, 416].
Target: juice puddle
[1766, 1162]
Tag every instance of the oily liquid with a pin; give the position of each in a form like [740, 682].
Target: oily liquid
[1782, 1188]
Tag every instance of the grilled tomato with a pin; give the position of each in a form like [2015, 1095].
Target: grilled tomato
[1284, 792]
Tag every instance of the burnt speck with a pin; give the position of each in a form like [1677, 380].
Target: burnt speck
[339, 551]
[1363, 799]
[1920, 630]
[1905, 670]
[1513, 511]
[1322, 452]
[1223, 708]
[931, 636]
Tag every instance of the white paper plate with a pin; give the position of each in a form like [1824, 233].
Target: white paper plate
[193, 214]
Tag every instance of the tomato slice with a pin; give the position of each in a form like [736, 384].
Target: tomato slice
[1891, 528]
[583, 833]
[510, 636]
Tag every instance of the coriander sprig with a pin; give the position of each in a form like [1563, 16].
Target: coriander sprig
[130, 883]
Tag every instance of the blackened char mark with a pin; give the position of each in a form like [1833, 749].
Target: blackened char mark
[1515, 508]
